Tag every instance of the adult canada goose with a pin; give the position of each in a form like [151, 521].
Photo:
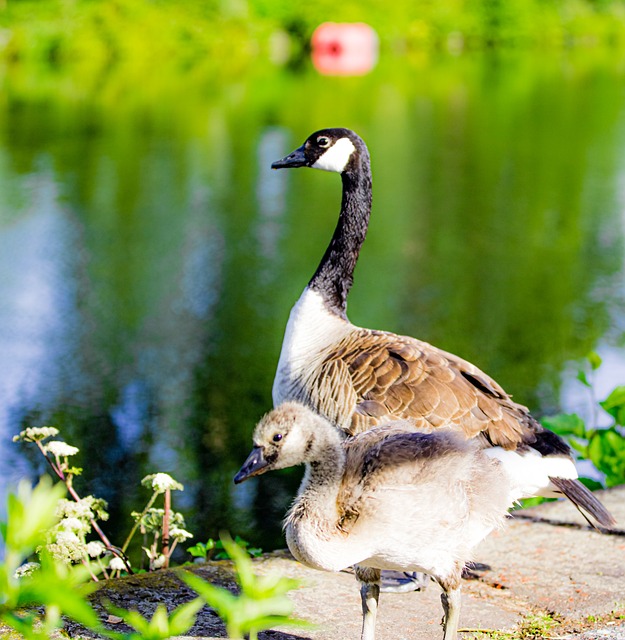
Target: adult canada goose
[357, 377]
[388, 498]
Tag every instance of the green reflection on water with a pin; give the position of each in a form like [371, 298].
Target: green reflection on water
[150, 257]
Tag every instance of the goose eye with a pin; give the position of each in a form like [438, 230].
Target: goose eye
[277, 437]
[323, 142]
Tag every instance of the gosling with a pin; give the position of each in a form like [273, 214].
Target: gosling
[388, 498]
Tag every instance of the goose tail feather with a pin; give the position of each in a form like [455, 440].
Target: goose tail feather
[586, 503]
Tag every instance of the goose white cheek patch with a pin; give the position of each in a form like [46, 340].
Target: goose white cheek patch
[336, 157]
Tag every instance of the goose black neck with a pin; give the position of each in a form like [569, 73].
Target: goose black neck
[335, 274]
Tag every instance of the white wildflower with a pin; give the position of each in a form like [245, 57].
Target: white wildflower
[61, 449]
[73, 509]
[74, 525]
[26, 569]
[98, 507]
[95, 549]
[32, 434]
[179, 534]
[117, 564]
[67, 537]
[161, 482]
[158, 562]
[66, 546]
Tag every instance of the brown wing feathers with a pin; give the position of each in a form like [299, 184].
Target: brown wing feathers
[391, 376]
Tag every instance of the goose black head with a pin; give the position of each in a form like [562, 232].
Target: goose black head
[337, 150]
[282, 438]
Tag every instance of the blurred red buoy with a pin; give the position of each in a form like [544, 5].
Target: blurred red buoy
[344, 49]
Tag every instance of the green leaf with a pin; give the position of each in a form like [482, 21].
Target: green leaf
[533, 502]
[615, 440]
[30, 512]
[591, 484]
[161, 625]
[217, 597]
[201, 549]
[261, 604]
[580, 447]
[596, 449]
[241, 560]
[267, 622]
[594, 359]
[56, 585]
[183, 618]
[566, 424]
[581, 376]
[614, 404]
[606, 449]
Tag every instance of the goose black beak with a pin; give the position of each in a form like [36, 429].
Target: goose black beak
[253, 466]
[295, 159]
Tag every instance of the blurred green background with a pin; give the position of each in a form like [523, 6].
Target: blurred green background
[149, 257]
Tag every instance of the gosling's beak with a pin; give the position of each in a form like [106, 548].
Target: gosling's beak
[295, 159]
[253, 466]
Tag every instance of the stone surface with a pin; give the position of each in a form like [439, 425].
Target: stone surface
[546, 562]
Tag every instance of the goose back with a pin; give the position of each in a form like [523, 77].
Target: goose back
[368, 377]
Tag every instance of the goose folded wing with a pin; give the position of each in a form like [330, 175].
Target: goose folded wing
[395, 376]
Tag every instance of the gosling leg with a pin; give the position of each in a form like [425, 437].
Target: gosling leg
[451, 606]
[369, 594]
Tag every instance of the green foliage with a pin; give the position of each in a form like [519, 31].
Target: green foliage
[216, 550]
[604, 447]
[614, 404]
[58, 587]
[535, 626]
[565, 424]
[61, 589]
[202, 549]
[262, 603]
[29, 512]
[93, 36]
[161, 625]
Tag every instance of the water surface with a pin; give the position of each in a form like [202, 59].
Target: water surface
[149, 257]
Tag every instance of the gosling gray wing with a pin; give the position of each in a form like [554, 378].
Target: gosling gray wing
[411, 465]
[374, 376]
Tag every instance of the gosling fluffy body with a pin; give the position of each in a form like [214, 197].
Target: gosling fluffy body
[389, 498]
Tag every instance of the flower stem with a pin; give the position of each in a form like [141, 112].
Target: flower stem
[93, 576]
[138, 522]
[166, 526]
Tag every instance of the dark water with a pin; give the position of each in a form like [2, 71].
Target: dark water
[149, 257]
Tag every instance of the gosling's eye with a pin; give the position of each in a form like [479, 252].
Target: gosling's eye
[277, 437]
[323, 142]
